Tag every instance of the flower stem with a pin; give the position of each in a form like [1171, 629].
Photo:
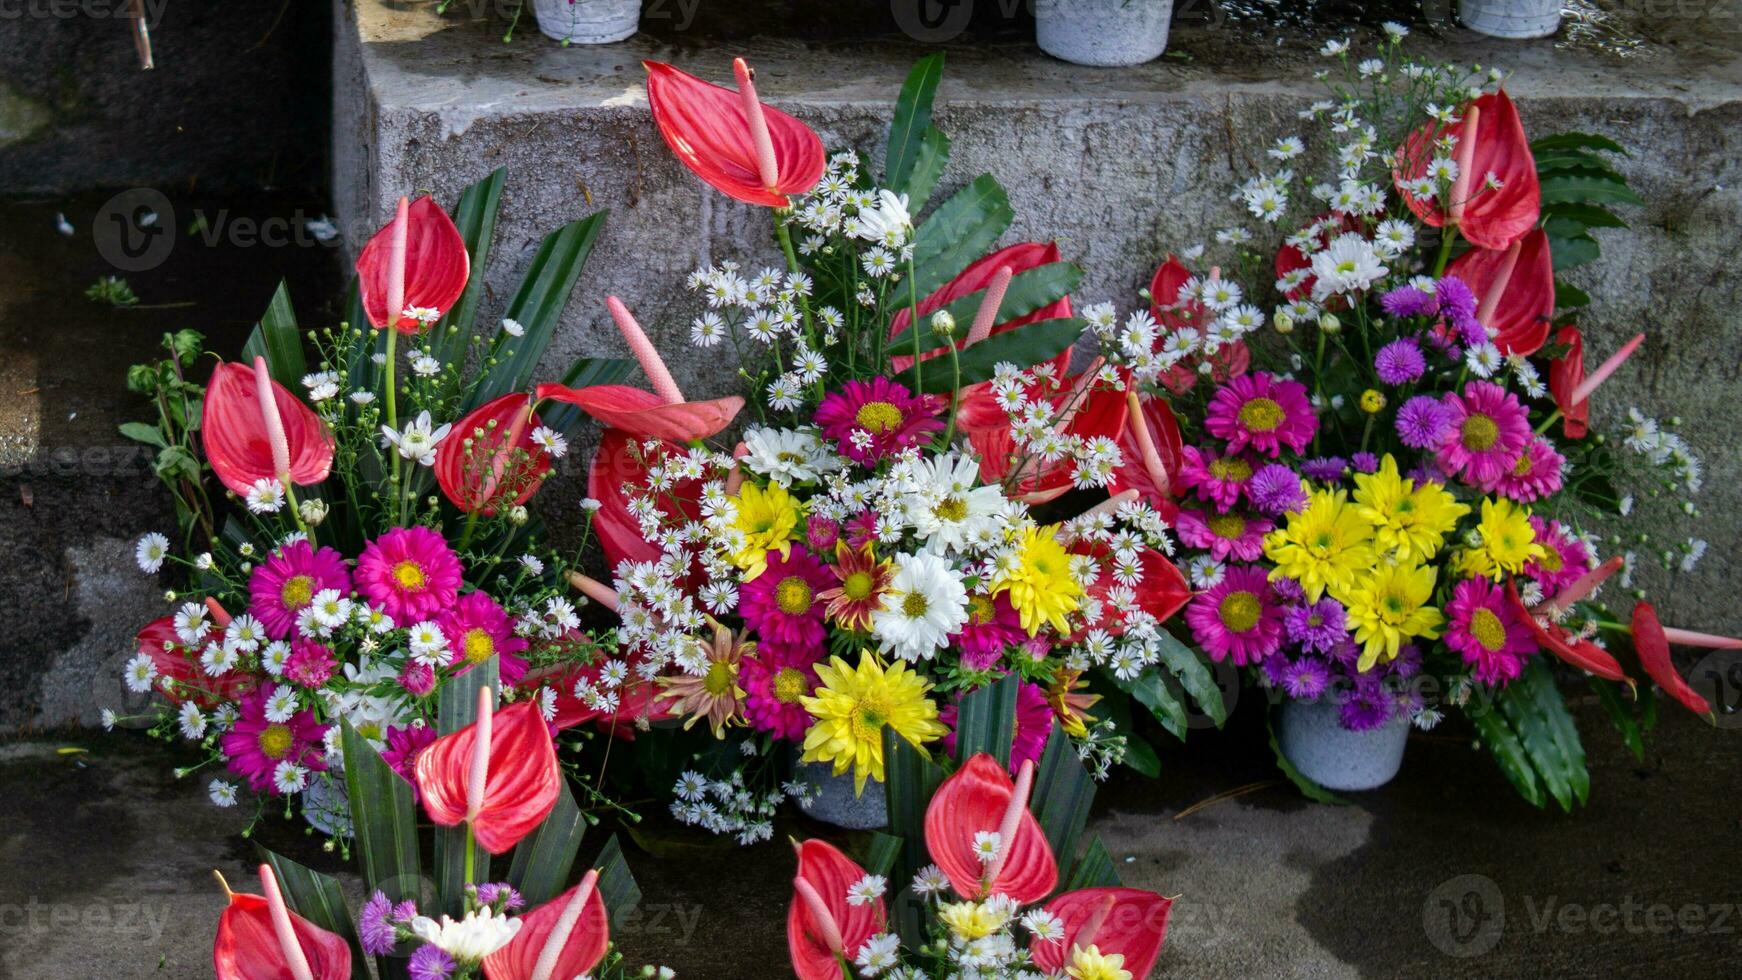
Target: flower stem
[1553, 417]
[955, 392]
[1446, 239]
[913, 324]
[466, 535]
[471, 854]
[296, 512]
[393, 412]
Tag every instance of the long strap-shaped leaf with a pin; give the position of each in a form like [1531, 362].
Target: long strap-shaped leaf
[319, 899]
[276, 338]
[1533, 707]
[475, 219]
[986, 721]
[383, 817]
[1063, 793]
[1029, 290]
[617, 886]
[911, 120]
[541, 864]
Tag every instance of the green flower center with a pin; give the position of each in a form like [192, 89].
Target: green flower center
[1231, 470]
[914, 605]
[1261, 415]
[275, 741]
[298, 591]
[857, 586]
[1479, 433]
[1239, 611]
[1488, 630]
[718, 680]
[878, 417]
[1228, 526]
[980, 610]
[789, 685]
[793, 595]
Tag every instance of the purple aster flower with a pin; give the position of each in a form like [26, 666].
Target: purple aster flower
[1324, 469]
[1364, 463]
[1456, 299]
[1367, 707]
[1470, 330]
[1409, 301]
[1275, 489]
[431, 963]
[1287, 589]
[490, 892]
[1346, 652]
[1425, 472]
[1406, 702]
[1422, 422]
[1306, 678]
[1275, 668]
[375, 925]
[1407, 663]
[1318, 626]
[1400, 362]
[404, 912]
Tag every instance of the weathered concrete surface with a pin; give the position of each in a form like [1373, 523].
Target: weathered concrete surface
[1121, 166]
[1640, 883]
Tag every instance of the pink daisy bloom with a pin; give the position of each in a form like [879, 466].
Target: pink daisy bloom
[254, 745]
[1486, 431]
[1216, 479]
[1537, 474]
[1486, 629]
[1565, 557]
[309, 664]
[1034, 718]
[403, 745]
[410, 573]
[478, 629]
[1237, 617]
[287, 581]
[1224, 536]
[869, 420]
[1259, 411]
[993, 625]
[782, 603]
[773, 683]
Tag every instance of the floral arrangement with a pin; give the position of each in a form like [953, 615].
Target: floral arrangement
[1375, 493]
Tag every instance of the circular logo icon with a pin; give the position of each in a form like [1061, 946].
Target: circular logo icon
[932, 21]
[1718, 678]
[135, 230]
[1464, 916]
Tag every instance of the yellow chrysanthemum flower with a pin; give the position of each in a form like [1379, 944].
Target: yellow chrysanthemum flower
[1392, 605]
[1505, 541]
[1325, 546]
[768, 517]
[969, 921]
[1041, 586]
[852, 706]
[1091, 964]
[1410, 520]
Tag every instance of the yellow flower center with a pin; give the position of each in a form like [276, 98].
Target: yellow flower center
[274, 740]
[951, 509]
[789, 685]
[793, 595]
[1550, 560]
[1522, 467]
[478, 646]
[718, 680]
[1231, 470]
[1479, 433]
[409, 576]
[1487, 629]
[1239, 611]
[868, 718]
[298, 591]
[858, 585]
[878, 417]
[1261, 415]
[914, 605]
[980, 609]
[1228, 526]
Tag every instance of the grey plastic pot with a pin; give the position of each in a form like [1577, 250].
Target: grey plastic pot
[1511, 19]
[1104, 33]
[587, 21]
[1315, 741]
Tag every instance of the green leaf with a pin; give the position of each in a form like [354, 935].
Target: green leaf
[1311, 790]
[1025, 346]
[958, 232]
[1533, 706]
[276, 338]
[457, 707]
[931, 158]
[1029, 290]
[1095, 870]
[475, 218]
[319, 899]
[912, 119]
[1151, 690]
[617, 887]
[1567, 296]
[1504, 746]
[151, 435]
[538, 305]
[1586, 190]
[986, 721]
[1194, 674]
[1141, 757]
[585, 371]
[1589, 215]
[910, 779]
[1063, 793]
[1577, 141]
[1575, 163]
[1622, 714]
[1570, 253]
[383, 817]
[883, 852]
[542, 862]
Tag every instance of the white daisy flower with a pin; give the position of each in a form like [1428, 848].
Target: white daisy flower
[513, 328]
[192, 721]
[265, 496]
[289, 778]
[222, 793]
[281, 705]
[140, 673]
[150, 552]
[867, 890]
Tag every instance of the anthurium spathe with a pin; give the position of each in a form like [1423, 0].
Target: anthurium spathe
[980, 832]
[1569, 385]
[822, 927]
[1126, 922]
[499, 775]
[1495, 197]
[981, 275]
[1565, 645]
[565, 937]
[260, 938]
[254, 429]
[417, 262]
[623, 461]
[489, 462]
[1151, 452]
[743, 148]
[1651, 642]
[1514, 287]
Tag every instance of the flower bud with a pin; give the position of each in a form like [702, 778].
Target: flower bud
[1284, 323]
[313, 512]
[1372, 401]
[1329, 323]
[517, 515]
[942, 323]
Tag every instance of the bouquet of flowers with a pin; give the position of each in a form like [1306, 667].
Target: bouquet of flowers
[1377, 495]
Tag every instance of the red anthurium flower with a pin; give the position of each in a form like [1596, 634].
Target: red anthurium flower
[498, 774]
[1651, 642]
[1165, 305]
[1490, 145]
[821, 925]
[1565, 374]
[418, 261]
[255, 429]
[1515, 290]
[1128, 922]
[1567, 646]
[488, 462]
[980, 798]
[983, 274]
[260, 938]
[565, 937]
[1151, 452]
[181, 664]
[1084, 407]
[745, 149]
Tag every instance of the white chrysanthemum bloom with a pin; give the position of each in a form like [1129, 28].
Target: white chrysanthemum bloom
[925, 605]
[265, 496]
[191, 720]
[222, 793]
[1347, 265]
[150, 552]
[513, 328]
[889, 222]
[418, 441]
[945, 505]
[879, 953]
[788, 455]
[469, 940]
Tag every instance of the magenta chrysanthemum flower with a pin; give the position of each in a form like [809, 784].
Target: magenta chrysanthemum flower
[1487, 430]
[869, 420]
[1262, 412]
[773, 683]
[478, 629]
[1231, 535]
[410, 573]
[1565, 557]
[1400, 362]
[1536, 475]
[1034, 718]
[309, 664]
[287, 581]
[255, 745]
[1485, 628]
[821, 532]
[782, 607]
[1237, 617]
[993, 625]
[1215, 479]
